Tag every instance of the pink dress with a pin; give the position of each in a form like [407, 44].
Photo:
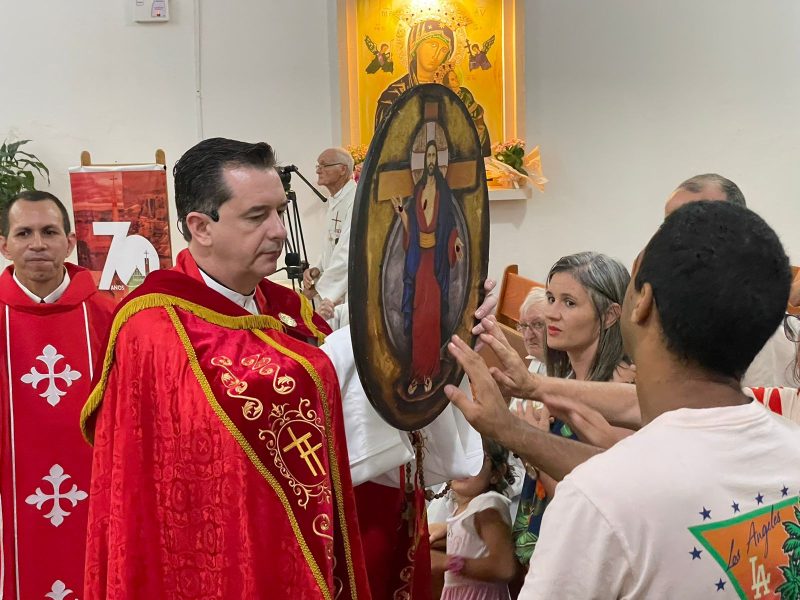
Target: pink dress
[463, 540]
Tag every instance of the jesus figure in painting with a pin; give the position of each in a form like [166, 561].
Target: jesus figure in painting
[432, 248]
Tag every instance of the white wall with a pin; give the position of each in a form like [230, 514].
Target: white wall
[86, 77]
[625, 98]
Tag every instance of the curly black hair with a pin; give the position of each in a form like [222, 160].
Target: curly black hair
[498, 455]
[720, 280]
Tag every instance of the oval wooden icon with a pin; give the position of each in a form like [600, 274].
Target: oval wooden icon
[419, 250]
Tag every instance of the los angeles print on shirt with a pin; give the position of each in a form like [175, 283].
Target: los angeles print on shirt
[758, 551]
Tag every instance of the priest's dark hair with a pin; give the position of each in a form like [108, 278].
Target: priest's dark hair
[199, 181]
[32, 196]
[720, 280]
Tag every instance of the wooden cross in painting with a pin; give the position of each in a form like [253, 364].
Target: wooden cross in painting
[398, 181]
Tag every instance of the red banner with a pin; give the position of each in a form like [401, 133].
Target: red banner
[122, 224]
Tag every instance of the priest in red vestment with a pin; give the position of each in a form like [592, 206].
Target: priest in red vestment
[220, 464]
[52, 323]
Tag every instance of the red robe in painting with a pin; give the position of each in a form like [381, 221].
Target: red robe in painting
[430, 254]
[220, 465]
[45, 464]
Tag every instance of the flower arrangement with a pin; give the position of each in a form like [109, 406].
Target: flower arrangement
[359, 154]
[509, 168]
[511, 153]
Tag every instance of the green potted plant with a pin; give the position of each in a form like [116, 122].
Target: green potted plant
[17, 169]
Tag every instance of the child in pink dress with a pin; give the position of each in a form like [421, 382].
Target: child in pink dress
[480, 553]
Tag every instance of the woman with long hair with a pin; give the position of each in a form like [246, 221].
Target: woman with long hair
[584, 301]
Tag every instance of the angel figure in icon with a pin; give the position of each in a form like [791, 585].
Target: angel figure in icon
[477, 55]
[383, 57]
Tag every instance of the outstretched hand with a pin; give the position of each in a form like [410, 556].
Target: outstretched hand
[487, 306]
[537, 417]
[487, 410]
[485, 309]
[514, 378]
[325, 309]
[588, 423]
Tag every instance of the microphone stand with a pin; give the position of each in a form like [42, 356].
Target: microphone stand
[296, 264]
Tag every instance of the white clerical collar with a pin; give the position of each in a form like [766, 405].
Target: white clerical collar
[247, 302]
[52, 296]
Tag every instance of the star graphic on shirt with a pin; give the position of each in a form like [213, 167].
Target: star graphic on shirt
[760, 498]
[720, 585]
[695, 553]
[706, 513]
[784, 492]
[735, 507]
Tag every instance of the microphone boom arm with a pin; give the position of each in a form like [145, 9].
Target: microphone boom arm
[294, 169]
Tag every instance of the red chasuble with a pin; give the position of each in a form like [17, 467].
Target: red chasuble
[47, 352]
[220, 463]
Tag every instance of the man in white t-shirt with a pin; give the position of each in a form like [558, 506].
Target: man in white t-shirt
[327, 280]
[702, 502]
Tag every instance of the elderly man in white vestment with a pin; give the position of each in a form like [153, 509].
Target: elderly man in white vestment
[326, 281]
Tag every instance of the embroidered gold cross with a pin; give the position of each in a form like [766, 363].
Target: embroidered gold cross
[305, 451]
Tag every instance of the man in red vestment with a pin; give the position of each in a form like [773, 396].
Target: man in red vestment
[220, 465]
[52, 323]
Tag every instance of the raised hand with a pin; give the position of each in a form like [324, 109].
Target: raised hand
[538, 417]
[486, 308]
[624, 373]
[514, 378]
[588, 423]
[310, 277]
[399, 209]
[487, 410]
[325, 309]
[488, 305]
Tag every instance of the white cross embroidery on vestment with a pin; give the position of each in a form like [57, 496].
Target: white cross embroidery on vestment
[59, 591]
[56, 478]
[53, 393]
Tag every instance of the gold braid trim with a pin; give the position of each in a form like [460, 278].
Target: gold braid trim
[307, 313]
[334, 465]
[248, 449]
[158, 301]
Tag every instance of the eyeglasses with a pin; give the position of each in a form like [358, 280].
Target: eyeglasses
[791, 327]
[325, 166]
[523, 327]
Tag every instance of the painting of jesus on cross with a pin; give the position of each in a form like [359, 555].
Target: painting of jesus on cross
[420, 238]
